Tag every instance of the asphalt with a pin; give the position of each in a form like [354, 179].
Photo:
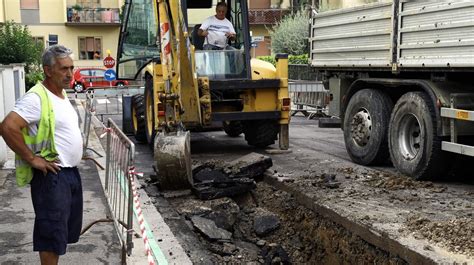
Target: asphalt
[100, 243]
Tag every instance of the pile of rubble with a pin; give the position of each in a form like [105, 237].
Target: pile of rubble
[216, 179]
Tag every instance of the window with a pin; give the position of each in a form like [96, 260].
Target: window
[92, 72]
[39, 41]
[90, 48]
[29, 12]
[29, 4]
[52, 39]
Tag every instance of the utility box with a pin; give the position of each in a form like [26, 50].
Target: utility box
[12, 87]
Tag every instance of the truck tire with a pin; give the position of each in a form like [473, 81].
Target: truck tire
[366, 127]
[261, 133]
[232, 128]
[415, 149]
[138, 118]
[149, 111]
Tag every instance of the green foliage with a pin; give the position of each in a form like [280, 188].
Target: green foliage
[292, 59]
[33, 74]
[17, 45]
[298, 59]
[270, 59]
[121, 13]
[290, 35]
[77, 7]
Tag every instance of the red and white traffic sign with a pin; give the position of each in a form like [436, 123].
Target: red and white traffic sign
[109, 62]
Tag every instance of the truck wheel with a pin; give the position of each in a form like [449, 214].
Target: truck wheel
[138, 118]
[149, 111]
[366, 127]
[261, 133]
[415, 148]
[232, 128]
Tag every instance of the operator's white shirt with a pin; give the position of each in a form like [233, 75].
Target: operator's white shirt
[217, 29]
[67, 135]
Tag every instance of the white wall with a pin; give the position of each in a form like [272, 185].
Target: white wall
[7, 97]
[3, 146]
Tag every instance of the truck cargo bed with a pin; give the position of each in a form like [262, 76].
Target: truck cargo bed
[398, 36]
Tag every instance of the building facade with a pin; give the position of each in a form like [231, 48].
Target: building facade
[89, 27]
[263, 14]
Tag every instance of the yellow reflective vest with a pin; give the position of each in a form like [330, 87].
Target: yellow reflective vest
[42, 144]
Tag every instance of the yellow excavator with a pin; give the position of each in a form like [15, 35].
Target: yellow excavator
[188, 88]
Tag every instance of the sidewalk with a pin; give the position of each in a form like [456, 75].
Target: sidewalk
[98, 245]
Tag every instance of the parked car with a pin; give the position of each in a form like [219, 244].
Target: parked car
[85, 78]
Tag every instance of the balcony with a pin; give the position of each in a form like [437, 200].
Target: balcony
[93, 17]
[267, 16]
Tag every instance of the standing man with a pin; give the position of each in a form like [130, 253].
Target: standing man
[43, 131]
[217, 30]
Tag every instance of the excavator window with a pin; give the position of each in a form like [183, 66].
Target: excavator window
[137, 44]
[139, 39]
[230, 63]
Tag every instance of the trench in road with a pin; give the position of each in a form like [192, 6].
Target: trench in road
[346, 246]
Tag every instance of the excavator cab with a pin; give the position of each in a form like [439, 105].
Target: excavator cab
[139, 39]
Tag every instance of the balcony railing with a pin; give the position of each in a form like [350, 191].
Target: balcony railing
[93, 16]
[267, 16]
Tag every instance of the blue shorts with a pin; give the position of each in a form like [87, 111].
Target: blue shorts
[57, 200]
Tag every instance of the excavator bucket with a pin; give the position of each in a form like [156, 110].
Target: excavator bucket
[172, 152]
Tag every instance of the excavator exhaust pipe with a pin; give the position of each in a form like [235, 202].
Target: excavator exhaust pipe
[172, 153]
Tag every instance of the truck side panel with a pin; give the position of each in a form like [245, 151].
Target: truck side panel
[436, 34]
[430, 34]
[355, 37]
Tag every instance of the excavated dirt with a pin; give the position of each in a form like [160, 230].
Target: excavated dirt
[455, 234]
[302, 235]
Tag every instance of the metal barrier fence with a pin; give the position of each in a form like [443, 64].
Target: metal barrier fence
[89, 111]
[308, 97]
[110, 98]
[120, 189]
[118, 185]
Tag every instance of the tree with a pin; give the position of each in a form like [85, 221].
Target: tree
[290, 35]
[17, 46]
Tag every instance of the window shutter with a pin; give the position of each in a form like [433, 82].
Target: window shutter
[90, 44]
[98, 44]
[29, 4]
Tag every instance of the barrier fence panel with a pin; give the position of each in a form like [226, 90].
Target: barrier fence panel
[308, 97]
[89, 111]
[111, 98]
[118, 189]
